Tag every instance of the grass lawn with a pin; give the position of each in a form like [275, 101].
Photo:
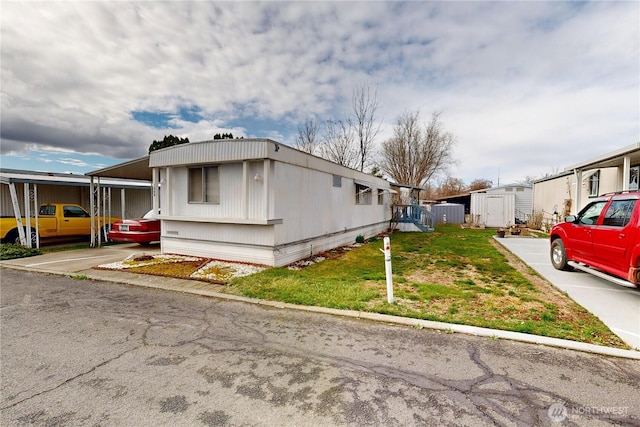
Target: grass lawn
[452, 275]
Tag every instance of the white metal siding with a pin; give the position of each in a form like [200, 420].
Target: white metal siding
[524, 202]
[231, 193]
[480, 209]
[552, 194]
[310, 206]
[210, 152]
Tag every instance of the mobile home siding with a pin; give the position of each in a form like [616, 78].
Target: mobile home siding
[208, 152]
[523, 202]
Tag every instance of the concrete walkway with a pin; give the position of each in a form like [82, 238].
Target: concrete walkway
[618, 307]
[81, 263]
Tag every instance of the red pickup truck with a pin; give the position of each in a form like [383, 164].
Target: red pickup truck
[603, 239]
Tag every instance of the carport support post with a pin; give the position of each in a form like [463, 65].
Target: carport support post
[27, 214]
[387, 268]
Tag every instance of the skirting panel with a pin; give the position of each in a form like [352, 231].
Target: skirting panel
[275, 257]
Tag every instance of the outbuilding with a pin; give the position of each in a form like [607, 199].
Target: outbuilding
[502, 206]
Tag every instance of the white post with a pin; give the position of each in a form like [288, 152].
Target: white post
[27, 214]
[387, 268]
[16, 212]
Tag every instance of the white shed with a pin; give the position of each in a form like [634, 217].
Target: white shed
[502, 206]
[258, 201]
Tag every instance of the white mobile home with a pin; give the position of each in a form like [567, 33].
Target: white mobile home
[258, 201]
[568, 192]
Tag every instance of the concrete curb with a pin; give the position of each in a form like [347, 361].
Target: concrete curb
[183, 285]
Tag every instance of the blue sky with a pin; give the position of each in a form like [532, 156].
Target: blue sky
[527, 88]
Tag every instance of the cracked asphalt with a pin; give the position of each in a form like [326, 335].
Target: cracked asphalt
[83, 352]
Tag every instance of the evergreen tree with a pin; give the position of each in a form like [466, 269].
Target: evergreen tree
[168, 141]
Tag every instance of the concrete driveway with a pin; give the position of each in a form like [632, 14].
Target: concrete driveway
[617, 306]
[77, 261]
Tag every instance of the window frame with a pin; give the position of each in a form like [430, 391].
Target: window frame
[207, 195]
[363, 194]
[634, 178]
[594, 184]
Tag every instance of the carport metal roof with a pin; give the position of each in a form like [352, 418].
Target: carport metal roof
[8, 176]
[133, 169]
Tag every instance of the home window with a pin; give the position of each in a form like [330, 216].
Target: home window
[363, 195]
[634, 174]
[594, 183]
[380, 196]
[204, 185]
[337, 181]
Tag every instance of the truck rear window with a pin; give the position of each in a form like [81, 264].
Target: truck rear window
[47, 210]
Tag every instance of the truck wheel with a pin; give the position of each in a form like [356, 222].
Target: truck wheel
[559, 256]
[12, 237]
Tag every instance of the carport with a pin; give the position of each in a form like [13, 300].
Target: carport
[100, 196]
[137, 169]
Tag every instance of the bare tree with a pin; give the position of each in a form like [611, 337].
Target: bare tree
[527, 180]
[337, 144]
[451, 186]
[307, 138]
[480, 184]
[416, 152]
[363, 122]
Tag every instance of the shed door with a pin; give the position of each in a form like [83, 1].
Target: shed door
[495, 211]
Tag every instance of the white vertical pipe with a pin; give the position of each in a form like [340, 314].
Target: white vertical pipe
[387, 268]
[27, 214]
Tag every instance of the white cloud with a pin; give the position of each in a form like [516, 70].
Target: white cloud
[527, 87]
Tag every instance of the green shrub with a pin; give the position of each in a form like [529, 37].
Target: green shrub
[12, 251]
[359, 238]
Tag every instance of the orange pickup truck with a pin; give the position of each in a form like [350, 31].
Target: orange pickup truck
[54, 220]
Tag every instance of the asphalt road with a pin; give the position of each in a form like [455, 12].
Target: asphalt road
[82, 352]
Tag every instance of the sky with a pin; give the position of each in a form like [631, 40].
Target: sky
[527, 88]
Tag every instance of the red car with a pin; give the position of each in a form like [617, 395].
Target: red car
[603, 239]
[143, 230]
